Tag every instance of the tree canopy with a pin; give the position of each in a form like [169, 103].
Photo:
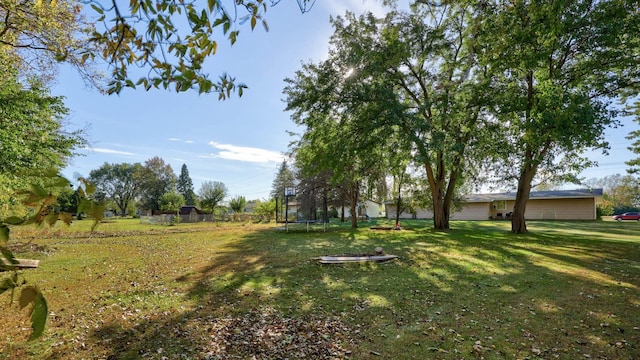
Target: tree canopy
[634, 163]
[32, 135]
[121, 183]
[238, 204]
[212, 193]
[410, 76]
[171, 201]
[157, 179]
[36, 35]
[556, 68]
[148, 44]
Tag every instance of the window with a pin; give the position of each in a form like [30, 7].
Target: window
[500, 204]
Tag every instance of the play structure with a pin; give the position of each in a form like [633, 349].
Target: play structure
[292, 216]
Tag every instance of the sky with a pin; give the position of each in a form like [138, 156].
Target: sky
[243, 140]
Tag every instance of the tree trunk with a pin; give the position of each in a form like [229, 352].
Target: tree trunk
[122, 204]
[325, 207]
[399, 201]
[518, 222]
[436, 184]
[354, 215]
[398, 210]
[355, 191]
[440, 208]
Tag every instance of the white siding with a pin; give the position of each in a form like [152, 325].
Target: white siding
[372, 209]
[420, 214]
[472, 211]
[424, 214]
[537, 209]
[561, 209]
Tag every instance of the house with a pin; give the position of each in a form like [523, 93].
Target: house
[577, 204]
[190, 210]
[367, 209]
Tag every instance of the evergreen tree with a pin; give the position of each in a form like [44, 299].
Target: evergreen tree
[185, 186]
[283, 179]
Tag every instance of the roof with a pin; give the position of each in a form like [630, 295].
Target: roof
[555, 194]
[187, 209]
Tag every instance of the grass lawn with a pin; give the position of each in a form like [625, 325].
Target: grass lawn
[566, 290]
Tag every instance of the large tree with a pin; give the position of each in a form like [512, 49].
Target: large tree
[158, 179]
[338, 142]
[414, 77]
[185, 186]
[32, 132]
[211, 194]
[436, 74]
[556, 67]
[121, 183]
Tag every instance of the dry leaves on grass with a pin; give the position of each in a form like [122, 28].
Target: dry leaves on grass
[265, 335]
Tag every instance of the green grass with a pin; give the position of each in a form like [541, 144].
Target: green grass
[565, 290]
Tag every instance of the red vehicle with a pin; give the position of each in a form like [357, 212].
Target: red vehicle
[627, 216]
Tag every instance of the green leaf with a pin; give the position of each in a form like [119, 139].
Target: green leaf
[7, 284]
[90, 188]
[97, 9]
[13, 220]
[4, 235]
[8, 255]
[212, 4]
[51, 219]
[27, 296]
[233, 36]
[39, 191]
[38, 316]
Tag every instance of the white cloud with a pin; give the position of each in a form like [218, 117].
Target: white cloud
[109, 151]
[247, 154]
[209, 156]
[178, 139]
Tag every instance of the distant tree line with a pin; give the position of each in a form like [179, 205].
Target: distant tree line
[621, 193]
[153, 187]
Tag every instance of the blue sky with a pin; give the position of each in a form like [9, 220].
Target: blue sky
[240, 141]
